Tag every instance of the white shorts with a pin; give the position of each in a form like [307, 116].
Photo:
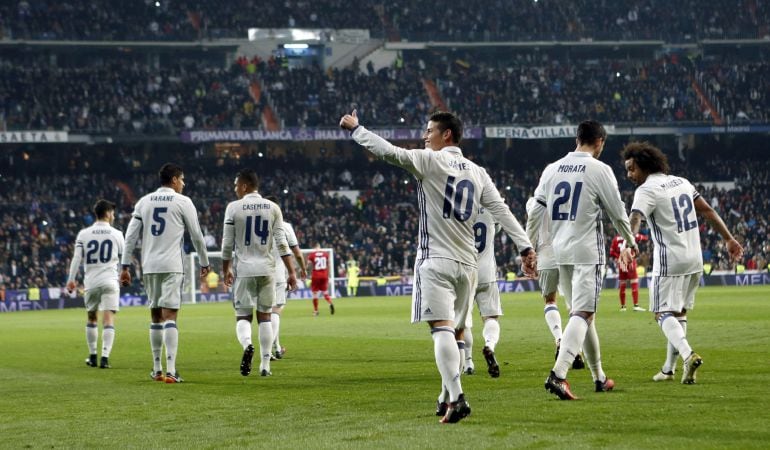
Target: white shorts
[488, 300]
[548, 279]
[280, 294]
[164, 290]
[254, 292]
[442, 290]
[103, 298]
[673, 294]
[581, 285]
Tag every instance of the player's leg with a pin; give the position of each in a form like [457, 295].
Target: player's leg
[635, 294]
[488, 301]
[109, 305]
[314, 288]
[170, 303]
[265, 294]
[468, 367]
[92, 326]
[244, 314]
[622, 291]
[324, 285]
[549, 281]
[275, 318]
[153, 287]
[669, 297]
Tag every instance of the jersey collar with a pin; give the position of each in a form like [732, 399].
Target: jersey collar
[253, 194]
[452, 149]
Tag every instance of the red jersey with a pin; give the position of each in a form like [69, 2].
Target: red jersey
[319, 261]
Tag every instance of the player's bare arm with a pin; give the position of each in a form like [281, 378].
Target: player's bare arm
[227, 272]
[628, 254]
[733, 246]
[125, 277]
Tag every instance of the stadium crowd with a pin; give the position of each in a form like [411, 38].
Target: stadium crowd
[375, 224]
[119, 98]
[399, 19]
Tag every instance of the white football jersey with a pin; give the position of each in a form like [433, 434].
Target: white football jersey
[281, 273]
[484, 231]
[573, 190]
[99, 247]
[450, 190]
[253, 227]
[540, 235]
[668, 203]
[160, 218]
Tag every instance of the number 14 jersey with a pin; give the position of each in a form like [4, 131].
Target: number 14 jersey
[573, 190]
[668, 204]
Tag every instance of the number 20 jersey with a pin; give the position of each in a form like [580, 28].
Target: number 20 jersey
[668, 204]
[573, 191]
[100, 247]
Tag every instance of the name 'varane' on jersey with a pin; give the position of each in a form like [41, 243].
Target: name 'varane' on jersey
[161, 218]
[99, 247]
[573, 190]
[668, 203]
[450, 190]
[253, 227]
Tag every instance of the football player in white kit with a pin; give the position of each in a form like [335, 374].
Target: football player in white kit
[547, 274]
[99, 247]
[160, 219]
[450, 190]
[670, 204]
[280, 282]
[486, 296]
[253, 227]
[573, 191]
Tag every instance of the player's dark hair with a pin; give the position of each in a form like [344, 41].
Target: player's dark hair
[102, 207]
[448, 121]
[590, 131]
[168, 172]
[646, 156]
[249, 177]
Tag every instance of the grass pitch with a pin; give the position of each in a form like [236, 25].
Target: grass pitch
[366, 378]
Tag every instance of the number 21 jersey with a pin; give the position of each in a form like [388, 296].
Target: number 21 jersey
[668, 204]
[573, 190]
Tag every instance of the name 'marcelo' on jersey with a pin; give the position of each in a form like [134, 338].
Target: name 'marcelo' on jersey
[668, 204]
[160, 218]
[99, 247]
[573, 191]
[450, 191]
[253, 227]
[484, 231]
[281, 273]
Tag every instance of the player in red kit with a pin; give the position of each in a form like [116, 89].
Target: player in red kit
[618, 244]
[318, 261]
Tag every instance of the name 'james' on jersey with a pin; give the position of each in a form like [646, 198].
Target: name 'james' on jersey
[668, 203]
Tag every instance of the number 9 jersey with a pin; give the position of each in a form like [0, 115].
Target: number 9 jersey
[668, 204]
[573, 190]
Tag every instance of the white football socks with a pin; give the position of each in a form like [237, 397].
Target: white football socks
[447, 360]
[92, 335]
[674, 330]
[553, 320]
[593, 353]
[156, 345]
[108, 338]
[275, 322]
[265, 343]
[243, 332]
[171, 342]
[491, 333]
[571, 342]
